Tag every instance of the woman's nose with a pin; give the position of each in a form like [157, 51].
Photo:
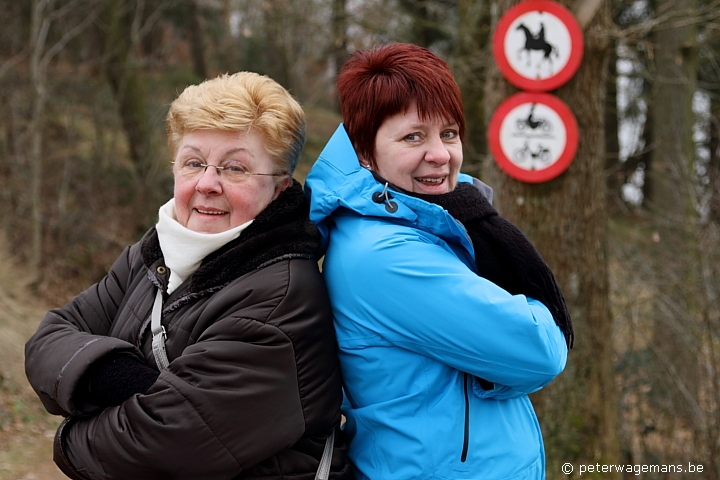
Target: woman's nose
[437, 152]
[209, 182]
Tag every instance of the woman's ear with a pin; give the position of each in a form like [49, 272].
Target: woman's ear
[364, 163]
[282, 185]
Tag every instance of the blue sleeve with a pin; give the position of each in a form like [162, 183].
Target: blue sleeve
[418, 295]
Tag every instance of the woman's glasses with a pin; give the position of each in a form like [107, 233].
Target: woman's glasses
[233, 172]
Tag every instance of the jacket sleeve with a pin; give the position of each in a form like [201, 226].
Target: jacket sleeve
[229, 401]
[69, 339]
[418, 295]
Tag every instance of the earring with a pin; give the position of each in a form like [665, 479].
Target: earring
[367, 165]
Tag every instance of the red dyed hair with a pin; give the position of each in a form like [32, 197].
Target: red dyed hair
[381, 82]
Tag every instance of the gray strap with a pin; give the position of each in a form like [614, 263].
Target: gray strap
[158, 333]
[323, 472]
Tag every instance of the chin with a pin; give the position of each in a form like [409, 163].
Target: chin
[433, 189]
[208, 228]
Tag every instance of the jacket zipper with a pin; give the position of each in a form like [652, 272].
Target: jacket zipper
[466, 434]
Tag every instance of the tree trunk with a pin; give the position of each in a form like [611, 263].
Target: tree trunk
[197, 41]
[425, 28]
[422, 31]
[566, 219]
[710, 262]
[121, 72]
[470, 65]
[614, 169]
[228, 43]
[39, 26]
[277, 63]
[675, 220]
[714, 165]
[339, 45]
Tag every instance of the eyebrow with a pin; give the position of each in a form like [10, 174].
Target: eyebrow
[444, 125]
[226, 154]
[451, 124]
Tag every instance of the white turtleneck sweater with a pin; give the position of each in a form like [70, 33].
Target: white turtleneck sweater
[184, 249]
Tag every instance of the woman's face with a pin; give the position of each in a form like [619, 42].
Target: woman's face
[207, 202]
[421, 156]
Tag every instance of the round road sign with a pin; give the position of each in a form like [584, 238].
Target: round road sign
[533, 137]
[538, 45]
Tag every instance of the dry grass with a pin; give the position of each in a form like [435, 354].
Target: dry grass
[26, 430]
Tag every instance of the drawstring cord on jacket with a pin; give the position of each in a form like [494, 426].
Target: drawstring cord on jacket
[384, 197]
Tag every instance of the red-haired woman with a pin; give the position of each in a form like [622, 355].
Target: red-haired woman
[446, 316]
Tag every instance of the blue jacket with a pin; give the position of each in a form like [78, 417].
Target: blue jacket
[417, 329]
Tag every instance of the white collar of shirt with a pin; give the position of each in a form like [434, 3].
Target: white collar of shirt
[185, 249]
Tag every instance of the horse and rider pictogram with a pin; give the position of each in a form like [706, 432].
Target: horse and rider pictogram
[538, 45]
[536, 41]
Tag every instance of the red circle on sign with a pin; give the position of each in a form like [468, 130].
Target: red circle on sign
[573, 59]
[558, 110]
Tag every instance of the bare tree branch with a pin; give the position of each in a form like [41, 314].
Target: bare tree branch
[153, 18]
[74, 32]
[9, 64]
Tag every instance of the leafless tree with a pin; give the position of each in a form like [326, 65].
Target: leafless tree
[44, 14]
[566, 218]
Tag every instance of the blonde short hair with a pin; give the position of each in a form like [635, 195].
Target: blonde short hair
[241, 102]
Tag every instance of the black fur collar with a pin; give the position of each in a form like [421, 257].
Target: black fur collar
[503, 254]
[282, 230]
[464, 203]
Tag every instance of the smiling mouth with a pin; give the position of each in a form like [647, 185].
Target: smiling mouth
[210, 212]
[431, 180]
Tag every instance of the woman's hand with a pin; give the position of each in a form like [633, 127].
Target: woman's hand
[115, 378]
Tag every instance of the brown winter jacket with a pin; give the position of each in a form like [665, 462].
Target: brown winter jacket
[253, 387]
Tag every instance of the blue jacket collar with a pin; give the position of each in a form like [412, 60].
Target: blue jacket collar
[337, 180]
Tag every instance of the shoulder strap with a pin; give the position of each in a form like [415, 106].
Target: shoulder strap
[323, 472]
[158, 333]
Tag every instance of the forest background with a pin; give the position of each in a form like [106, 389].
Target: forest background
[631, 229]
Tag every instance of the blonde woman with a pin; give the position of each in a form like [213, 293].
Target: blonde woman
[208, 351]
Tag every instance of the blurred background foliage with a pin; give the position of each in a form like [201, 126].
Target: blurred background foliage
[631, 229]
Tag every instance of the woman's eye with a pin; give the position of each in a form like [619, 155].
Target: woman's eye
[193, 164]
[235, 167]
[449, 134]
[412, 137]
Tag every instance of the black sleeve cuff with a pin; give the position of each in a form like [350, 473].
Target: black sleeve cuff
[59, 457]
